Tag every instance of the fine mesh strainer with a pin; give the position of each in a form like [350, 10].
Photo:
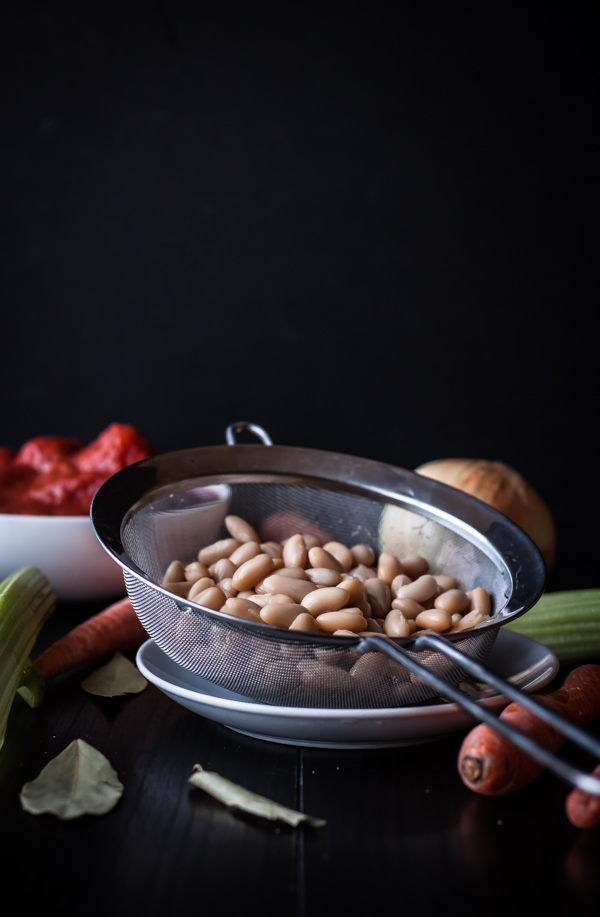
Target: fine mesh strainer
[166, 508]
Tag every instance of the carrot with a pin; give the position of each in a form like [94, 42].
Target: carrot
[489, 764]
[115, 628]
[583, 809]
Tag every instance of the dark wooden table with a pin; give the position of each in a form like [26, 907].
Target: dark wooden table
[402, 830]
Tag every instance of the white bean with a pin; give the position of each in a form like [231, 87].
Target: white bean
[342, 553]
[396, 625]
[297, 588]
[246, 551]
[388, 567]
[319, 557]
[329, 598]
[434, 619]
[278, 614]
[330, 621]
[251, 572]
[295, 552]
[241, 529]
[218, 549]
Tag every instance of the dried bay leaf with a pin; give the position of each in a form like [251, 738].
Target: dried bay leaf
[231, 794]
[119, 676]
[78, 781]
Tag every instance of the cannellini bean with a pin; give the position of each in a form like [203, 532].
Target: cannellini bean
[297, 588]
[409, 608]
[213, 597]
[295, 552]
[278, 614]
[388, 567]
[471, 619]
[454, 601]
[363, 554]
[378, 596]
[348, 619]
[329, 598]
[259, 598]
[396, 625]
[342, 553]
[241, 529]
[363, 572]
[312, 541]
[323, 576]
[199, 586]
[294, 572]
[373, 626]
[319, 557]
[421, 589]
[403, 579]
[218, 549]
[222, 569]
[480, 600]
[444, 581]
[365, 606]
[304, 621]
[242, 608]
[251, 572]
[196, 571]
[279, 597]
[272, 547]
[246, 551]
[354, 587]
[175, 573]
[226, 586]
[434, 619]
[415, 565]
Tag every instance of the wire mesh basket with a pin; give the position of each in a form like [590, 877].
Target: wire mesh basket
[168, 507]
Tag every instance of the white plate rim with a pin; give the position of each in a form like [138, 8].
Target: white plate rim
[266, 711]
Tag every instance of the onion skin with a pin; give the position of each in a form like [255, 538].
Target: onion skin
[504, 489]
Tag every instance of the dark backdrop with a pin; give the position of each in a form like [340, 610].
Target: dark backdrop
[366, 226]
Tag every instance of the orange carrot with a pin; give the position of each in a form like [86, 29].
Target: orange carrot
[115, 628]
[489, 764]
[583, 809]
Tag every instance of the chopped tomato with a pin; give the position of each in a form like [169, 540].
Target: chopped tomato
[53, 475]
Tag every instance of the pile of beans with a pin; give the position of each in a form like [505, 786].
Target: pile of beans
[304, 584]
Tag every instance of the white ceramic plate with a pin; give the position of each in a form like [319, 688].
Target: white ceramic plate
[524, 662]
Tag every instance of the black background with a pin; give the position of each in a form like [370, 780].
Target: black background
[367, 227]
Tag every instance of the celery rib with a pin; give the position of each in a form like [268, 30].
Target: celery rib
[27, 599]
[568, 623]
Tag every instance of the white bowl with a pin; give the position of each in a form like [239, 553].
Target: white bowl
[66, 549]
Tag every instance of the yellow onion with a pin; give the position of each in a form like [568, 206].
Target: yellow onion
[503, 488]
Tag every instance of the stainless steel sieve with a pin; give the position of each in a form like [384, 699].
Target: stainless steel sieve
[167, 507]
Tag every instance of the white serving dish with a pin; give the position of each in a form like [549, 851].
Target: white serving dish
[66, 549]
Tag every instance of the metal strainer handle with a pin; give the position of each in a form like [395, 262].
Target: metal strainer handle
[240, 427]
[544, 757]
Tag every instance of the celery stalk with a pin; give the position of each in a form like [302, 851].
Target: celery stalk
[27, 599]
[568, 623]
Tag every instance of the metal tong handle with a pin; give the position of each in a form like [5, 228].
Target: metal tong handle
[542, 755]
